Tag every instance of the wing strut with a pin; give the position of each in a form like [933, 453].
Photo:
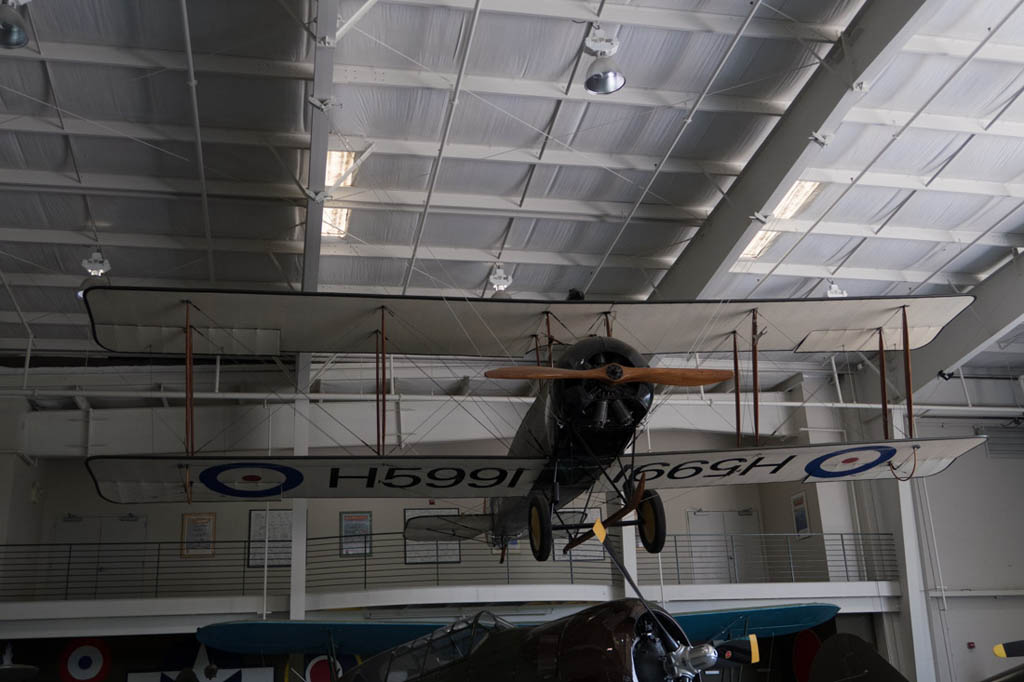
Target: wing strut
[628, 508]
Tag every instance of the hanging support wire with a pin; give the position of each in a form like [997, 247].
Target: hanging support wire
[757, 386]
[736, 382]
[547, 322]
[383, 380]
[885, 391]
[908, 380]
[607, 323]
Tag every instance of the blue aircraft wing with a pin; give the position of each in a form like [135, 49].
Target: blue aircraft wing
[366, 639]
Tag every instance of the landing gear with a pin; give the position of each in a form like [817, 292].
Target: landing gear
[539, 518]
[650, 514]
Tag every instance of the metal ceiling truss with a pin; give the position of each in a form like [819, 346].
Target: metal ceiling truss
[882, 29]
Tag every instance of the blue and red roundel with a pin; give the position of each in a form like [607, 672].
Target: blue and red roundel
[85, 660]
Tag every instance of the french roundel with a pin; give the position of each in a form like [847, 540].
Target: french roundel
[85, 660]
[319, 670]
[849, 461]
[250, 479]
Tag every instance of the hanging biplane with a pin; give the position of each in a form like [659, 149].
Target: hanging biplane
[595, 393]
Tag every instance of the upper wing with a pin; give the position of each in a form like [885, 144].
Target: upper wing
[133, 320]
[813, 463]
[132, 479]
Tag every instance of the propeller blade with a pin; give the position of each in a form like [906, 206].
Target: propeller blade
[616, 374]
[741, 651]
[1009, 649]
[675, 376]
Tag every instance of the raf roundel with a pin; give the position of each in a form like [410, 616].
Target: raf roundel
[319, 670]
[251, 479]
[85, 660]
[849, 462]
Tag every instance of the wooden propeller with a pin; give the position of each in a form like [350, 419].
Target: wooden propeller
[617, 374]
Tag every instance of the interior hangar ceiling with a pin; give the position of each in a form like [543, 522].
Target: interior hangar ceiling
[910, 185]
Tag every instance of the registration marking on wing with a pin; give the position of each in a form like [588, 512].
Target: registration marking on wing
[131, 479]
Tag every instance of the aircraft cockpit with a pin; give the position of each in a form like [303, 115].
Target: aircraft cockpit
[434, 650]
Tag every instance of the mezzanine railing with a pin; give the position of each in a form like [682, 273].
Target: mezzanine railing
[113, 570]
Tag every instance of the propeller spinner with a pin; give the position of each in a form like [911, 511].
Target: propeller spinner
[615, 373]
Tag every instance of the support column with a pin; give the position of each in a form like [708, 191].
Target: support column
[321, 102]
[300, 507]
[624, 546]
[914, 604]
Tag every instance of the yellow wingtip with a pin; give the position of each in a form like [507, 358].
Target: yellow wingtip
[999, 650]
[599, 531]
[755, 653]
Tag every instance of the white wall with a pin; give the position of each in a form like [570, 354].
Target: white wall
[976, 508]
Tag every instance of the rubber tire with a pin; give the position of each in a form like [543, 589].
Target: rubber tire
[650, 525]
[538, 525]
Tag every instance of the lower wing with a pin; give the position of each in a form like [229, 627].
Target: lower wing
[811, 463]
[132, 479]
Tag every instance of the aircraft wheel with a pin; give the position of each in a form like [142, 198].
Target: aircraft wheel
[651, 522]
[539, 518]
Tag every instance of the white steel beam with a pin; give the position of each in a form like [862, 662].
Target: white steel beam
[877, 33]
[348, 197]
[330, 248]
[842, 176]
[162, 60]
[899, 232]
[998, 308]
[942, 122]
[517, 87]
[959, 48]
[653, 17]
[151, 132]
[846, 272]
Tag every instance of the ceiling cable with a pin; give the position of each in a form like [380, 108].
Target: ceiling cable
[668, 153]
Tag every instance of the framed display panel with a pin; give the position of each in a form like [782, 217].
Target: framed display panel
[278, 542]
[356, 533]
[801, 516]
[198, 535]
[591, 550]
[432, 552]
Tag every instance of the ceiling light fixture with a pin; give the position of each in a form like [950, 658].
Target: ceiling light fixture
[499, 279]
[13, 31]
[796, 198]
[834, 291]
[96, 265]
[604, 75]
[339, 167]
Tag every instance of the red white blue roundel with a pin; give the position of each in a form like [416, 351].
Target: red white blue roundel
[319, 670]
[85, 660]
[250, 479]
[849, 461]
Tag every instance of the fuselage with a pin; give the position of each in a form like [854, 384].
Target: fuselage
[611, 642]
[580, 426]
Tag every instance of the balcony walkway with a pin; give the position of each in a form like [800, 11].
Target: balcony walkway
[60, 587]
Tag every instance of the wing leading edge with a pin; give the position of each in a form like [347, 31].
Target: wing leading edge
[132, 479]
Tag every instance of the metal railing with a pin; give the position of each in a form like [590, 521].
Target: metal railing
[128, 570]
[392, 562]
[774, 558]
[158, 569]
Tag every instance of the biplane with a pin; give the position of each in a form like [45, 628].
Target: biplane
[595, 392]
